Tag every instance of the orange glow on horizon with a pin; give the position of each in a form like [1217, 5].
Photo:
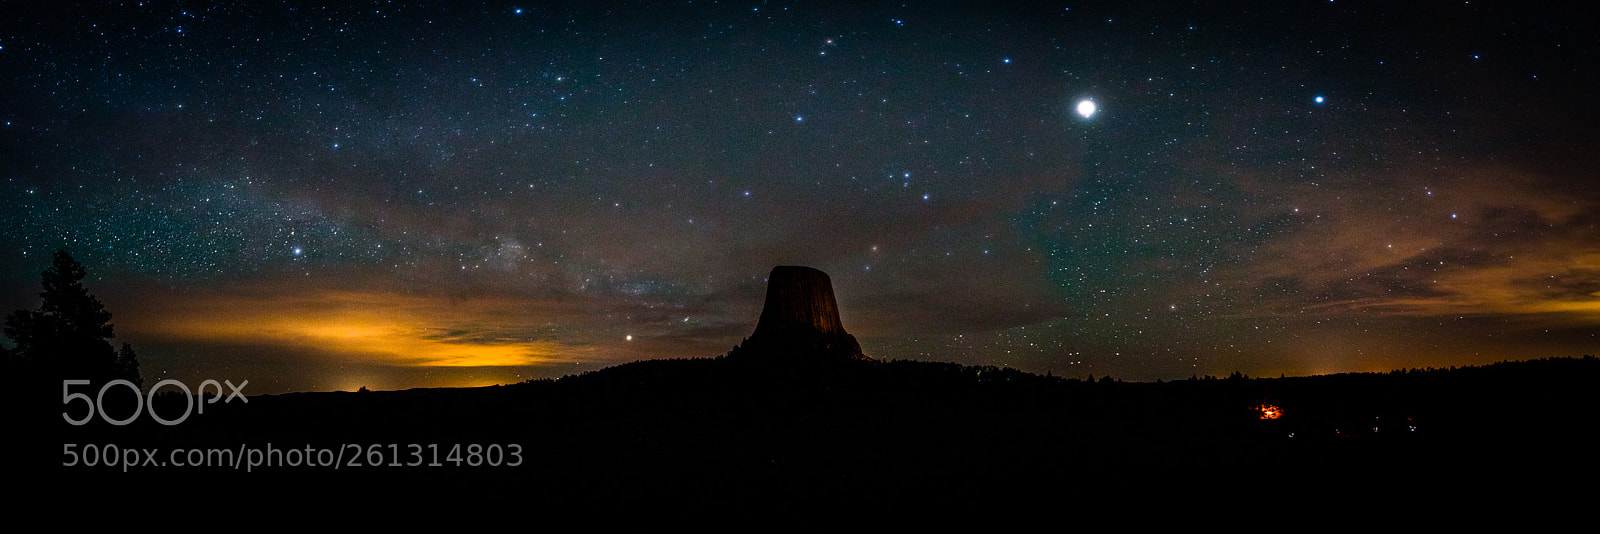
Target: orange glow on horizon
[370, 327]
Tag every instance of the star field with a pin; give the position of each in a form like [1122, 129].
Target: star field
[331, 195]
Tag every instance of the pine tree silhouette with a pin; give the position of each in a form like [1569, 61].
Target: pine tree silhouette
[67, 337]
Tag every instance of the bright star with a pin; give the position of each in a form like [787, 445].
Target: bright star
[1318, 99]
[1086, 108]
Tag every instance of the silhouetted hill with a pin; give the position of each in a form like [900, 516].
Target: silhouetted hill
[752, 434]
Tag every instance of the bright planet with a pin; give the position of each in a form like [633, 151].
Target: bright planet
[1086, 108]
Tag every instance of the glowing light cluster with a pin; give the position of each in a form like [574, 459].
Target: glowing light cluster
[1269, 411]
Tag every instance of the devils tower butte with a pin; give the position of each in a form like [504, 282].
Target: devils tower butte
[800, 316]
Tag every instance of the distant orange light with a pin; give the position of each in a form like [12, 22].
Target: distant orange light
[1269, 411]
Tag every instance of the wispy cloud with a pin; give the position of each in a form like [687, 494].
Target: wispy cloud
[1522, 249]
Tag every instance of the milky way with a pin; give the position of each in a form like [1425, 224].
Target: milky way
[321, 196]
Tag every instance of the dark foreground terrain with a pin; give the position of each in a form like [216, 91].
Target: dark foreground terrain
[760, 436]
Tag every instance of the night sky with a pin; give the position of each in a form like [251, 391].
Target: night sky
[324, 196]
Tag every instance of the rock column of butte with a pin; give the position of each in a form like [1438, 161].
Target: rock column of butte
[800, 317]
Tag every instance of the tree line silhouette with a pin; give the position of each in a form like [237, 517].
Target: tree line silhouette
[68, 336]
